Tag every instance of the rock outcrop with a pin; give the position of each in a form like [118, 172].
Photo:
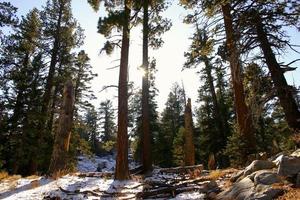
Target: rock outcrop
[257, 180]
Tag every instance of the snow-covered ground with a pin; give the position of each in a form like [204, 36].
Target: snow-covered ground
[76, 187]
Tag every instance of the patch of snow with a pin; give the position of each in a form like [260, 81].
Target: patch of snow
[189, 196]
[49, 187]
[90, 164]
[277, 161]
[105, 163]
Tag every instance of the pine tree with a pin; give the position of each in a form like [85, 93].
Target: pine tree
[7, 15]
[242, 111]
[178, 150]
[149, 26]
[119, 19]
[20, 56]
[106, 117]
[172, 120]
[264, 22]
[83, 76]
[91, 129]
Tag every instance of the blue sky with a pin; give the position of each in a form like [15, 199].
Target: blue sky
[169, 58]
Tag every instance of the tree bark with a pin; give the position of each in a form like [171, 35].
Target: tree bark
[243, 115]
[284, 92]
[62, 137]
[189, 148]
[146, 137]
[122, 171]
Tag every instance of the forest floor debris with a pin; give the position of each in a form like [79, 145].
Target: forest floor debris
[90, 182]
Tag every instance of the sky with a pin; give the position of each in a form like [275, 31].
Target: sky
[169, 57]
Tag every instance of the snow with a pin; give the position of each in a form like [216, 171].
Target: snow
[277, 161]
[189, 196]
[107, 163]
[73, 187]
[90, 164]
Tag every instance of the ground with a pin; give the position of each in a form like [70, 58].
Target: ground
[94, 180]
[88, 184]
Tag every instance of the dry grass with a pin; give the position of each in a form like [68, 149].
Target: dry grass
[195, 173]
[217, 174]
[32, 177]
[10, 182]
[59, 174]
[12, 178]
[290, 194]
[3, 175]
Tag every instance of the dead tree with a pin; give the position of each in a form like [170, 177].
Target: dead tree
[62, 135]
[189, 148]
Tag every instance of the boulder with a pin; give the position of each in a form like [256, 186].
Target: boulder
[101, 166]
[258, 165]
[289, 166]
[240, 190]
[296, 153]
[247, 190]
[266, 177]
[266, 192]
[298, 180]
[236, 176]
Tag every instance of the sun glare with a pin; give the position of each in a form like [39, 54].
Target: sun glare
[141, 72]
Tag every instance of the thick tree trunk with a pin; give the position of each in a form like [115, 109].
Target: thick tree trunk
[146, 137]
[243, 115]
[62, 137]
[284, 92]
[189, 148]
[122, 171]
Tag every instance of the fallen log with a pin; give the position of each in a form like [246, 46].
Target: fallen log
[175, 190]
[180, 170]
[97, 193]
[80, 192]
[133, 171]
[136, 170]
[97, 174]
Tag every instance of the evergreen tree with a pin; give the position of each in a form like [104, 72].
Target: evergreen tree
[7, 15]
[172, 120]
[135, 111]
[178, 147]
[22, 61]
[264, 22]
[151, 28]
[119, 19]
[83, 76]
[210, 10]
[91, 129]
[106, 117]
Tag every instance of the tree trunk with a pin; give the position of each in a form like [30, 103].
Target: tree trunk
[284, 92]
[146, 137]
[243, 115]
[122, 171]
[62, 137]
[189, 148]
